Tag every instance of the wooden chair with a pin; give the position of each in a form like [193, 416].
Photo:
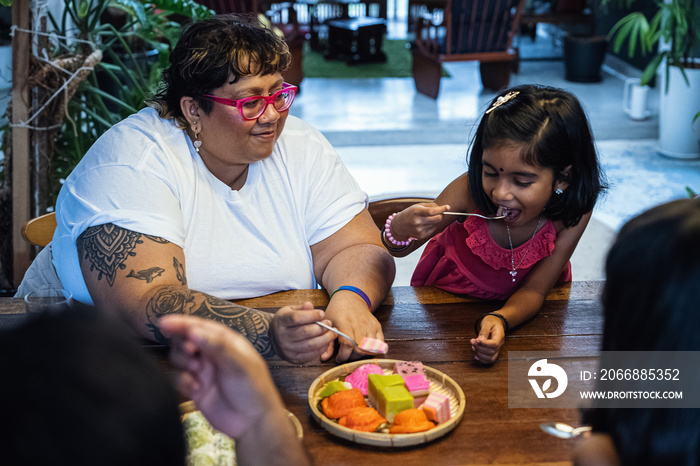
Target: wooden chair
[380, 209]
[39, 230]
[480, 30]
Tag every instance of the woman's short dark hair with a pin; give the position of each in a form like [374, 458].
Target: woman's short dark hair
[209, 51]
[650, 300]
[551, 126]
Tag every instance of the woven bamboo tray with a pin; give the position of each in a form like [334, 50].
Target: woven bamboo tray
[439, 382]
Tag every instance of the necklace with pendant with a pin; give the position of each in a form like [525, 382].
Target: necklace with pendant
[514, 272]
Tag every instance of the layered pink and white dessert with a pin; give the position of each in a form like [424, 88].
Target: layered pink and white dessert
[437, 407]
[373, 345]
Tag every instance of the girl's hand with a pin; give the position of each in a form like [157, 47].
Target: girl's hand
[299, 340]
[419, 221]
[491, 337]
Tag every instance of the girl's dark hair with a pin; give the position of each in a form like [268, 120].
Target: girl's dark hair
[553, 130]
[650, 300]
[209, 51]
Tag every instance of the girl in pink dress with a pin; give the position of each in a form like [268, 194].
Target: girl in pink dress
[533, 162]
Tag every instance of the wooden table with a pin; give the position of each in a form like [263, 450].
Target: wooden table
[434, 327]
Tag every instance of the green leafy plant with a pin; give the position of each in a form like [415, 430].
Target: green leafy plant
[676, 25]
[128, 32]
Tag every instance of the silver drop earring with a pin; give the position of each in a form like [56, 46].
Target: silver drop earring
[197, 143]
[558, 191]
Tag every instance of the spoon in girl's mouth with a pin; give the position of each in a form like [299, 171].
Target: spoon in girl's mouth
[505, 212]
[466, 214]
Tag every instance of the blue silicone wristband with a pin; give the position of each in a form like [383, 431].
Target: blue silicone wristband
[357, 291]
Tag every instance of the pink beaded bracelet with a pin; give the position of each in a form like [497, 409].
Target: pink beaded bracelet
[387, 233]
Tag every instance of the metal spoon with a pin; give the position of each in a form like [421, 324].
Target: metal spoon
[357, 347]
[561, 430]
[466, 214]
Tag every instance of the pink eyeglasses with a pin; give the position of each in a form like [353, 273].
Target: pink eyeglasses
[252, 107]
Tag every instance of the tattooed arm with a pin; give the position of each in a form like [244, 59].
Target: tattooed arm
[144, 278]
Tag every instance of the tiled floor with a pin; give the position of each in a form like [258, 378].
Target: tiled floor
[395, 140]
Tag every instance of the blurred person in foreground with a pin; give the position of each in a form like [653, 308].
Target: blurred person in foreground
[78, 390]
[650, 302]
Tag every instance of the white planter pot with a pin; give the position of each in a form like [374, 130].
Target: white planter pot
[678, 136]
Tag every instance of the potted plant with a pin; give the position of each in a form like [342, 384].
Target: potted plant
[88, 107]
[673, 36]
[133, 37]
[584, 56]
[584, 52]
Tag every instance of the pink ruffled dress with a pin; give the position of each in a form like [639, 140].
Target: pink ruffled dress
[464, 259]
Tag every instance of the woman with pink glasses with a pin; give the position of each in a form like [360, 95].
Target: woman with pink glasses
[215, 193]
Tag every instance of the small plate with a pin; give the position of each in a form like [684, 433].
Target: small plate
[439, 382]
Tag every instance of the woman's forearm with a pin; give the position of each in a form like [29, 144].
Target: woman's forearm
[366, 266]
[251, 323]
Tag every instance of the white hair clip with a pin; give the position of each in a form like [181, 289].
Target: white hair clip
[502, 99]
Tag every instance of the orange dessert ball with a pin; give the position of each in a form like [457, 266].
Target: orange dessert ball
[409, 421]
[340, 404]
[366, 419]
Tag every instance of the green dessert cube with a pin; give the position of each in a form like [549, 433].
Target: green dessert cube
[389, 395]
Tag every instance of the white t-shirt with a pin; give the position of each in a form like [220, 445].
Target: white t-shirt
[144, 175]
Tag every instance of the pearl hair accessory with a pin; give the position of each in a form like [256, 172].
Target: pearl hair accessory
[501, 100]
[387, 233]
[514, 272]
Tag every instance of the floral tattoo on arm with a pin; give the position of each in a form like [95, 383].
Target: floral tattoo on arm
[251, 323]
[107, 247]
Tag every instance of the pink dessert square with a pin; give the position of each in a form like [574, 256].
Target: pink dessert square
[408, 368]
[358, 379]
[417, 385]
